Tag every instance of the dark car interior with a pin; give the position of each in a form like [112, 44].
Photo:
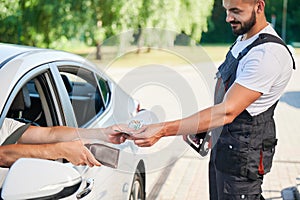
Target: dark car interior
[27, 106]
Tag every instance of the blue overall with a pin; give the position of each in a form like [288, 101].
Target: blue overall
[242, 150]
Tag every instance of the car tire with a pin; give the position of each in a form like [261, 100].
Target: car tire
[137, 191]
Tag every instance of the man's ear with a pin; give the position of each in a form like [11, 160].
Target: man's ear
[260, 6]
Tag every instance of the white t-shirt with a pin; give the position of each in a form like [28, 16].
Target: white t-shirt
[266, 68]
[8, 127]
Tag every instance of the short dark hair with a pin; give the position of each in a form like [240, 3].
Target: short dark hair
[254, 1]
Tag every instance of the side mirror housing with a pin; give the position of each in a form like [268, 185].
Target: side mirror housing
[30, 178]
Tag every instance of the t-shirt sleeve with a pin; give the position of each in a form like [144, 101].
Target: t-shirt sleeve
[258, 71]
[8, 127]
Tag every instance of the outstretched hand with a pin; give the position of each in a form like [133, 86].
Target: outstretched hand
[147, 135]
[119, 132]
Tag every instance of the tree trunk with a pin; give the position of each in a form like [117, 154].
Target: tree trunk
[98, 52]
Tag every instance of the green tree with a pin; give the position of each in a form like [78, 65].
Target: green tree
[218, 30]
[9, 21]
[273, 8]
[188, 16]
[39, 23]
[48, 23]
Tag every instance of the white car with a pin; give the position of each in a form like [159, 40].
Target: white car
[48, 88]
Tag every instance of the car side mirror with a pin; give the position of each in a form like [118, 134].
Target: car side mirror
[30, 178]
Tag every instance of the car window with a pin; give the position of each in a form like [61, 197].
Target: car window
[83, 92]
[34, 103]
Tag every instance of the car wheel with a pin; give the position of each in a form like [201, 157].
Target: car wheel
[137, 189]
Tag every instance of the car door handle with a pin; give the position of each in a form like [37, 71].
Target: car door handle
[88, 188]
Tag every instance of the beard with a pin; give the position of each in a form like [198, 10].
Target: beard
[244, 27]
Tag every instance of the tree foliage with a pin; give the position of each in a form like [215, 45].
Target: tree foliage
[51, 22]
[273, 8]
[40, 23]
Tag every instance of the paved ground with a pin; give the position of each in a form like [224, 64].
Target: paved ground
[187, 178]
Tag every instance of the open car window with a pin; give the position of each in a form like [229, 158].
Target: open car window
[84, 93]
[34, 102]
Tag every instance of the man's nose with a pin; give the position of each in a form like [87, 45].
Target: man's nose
[229, 17]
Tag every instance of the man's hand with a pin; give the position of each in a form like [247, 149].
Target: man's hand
[76, 153]
[120, 132]
[147, 136]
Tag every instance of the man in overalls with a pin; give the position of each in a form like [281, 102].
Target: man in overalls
[250, 82]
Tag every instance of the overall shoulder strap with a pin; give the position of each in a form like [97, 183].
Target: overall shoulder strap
[14, 137]
[263, 38]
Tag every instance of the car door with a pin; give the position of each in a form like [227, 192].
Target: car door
[97, 102]
[90, 95]
[33, 100]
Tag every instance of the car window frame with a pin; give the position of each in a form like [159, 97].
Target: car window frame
[74, 64]
[66, 108]
[41, 70]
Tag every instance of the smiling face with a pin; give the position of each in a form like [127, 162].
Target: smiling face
[240, 27]
[242, 15]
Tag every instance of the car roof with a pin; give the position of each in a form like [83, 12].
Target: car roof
[9, 51]
[24, 58]
[33, 56]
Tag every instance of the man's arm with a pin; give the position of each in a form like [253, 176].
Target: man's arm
[237, 99]
[40, 135]
[73, 151]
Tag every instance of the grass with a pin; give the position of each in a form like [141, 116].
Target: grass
[297, 51]
[174, 56]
